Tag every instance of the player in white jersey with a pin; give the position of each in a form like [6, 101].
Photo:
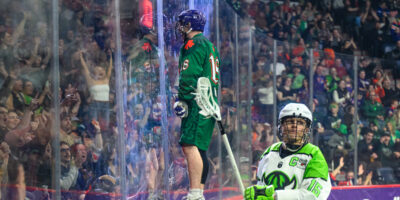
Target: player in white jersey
[293, 168]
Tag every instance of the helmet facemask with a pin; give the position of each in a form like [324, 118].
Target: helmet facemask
[180, 31]
[294, 132]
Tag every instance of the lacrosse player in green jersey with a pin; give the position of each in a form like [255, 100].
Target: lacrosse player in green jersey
[293, 168]
[198, 58]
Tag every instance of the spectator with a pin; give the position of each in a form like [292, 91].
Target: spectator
[297, 78]
[363, 83]
[340, 68]
[324, 33]
[16, 99]
[349, 47]
[322, 136]
[393, 115]
[368, 20]
[333, 120]
[265, 94]
[337, 171]
[99, 87]
[349, 181]
[285, 94]
[394, 134]
[348, 117]
[300, 49]
[372, 109]
[338, 146]
[84, 164]
[364, 176]
[385, 151]
[258, 134]
[69, 173]
[352, 8]
[368, 150]
[341, 96]
[332, 80]
[339, 10]
[71, 102]
[3, 124]
[378, 79]
[336, 40]
[28, 92]
[390, 93]
[65, 131]
[320, 86]
[8, 42]
[303, 95]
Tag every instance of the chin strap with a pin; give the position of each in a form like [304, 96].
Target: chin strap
[190, 30]
[293, 148]
[186, 34]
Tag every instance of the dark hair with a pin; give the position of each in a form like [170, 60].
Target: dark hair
[64, 143]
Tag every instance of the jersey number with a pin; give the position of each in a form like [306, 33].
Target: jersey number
[315, 188]
[214, 68]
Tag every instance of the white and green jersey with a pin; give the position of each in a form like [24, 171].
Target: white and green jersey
[301, 175]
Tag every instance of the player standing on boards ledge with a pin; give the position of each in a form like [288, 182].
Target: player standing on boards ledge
[198, 58]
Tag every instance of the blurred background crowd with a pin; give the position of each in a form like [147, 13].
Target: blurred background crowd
[332, 33]
[324, 37]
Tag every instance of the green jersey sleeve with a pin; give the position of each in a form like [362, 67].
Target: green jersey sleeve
[317, 166]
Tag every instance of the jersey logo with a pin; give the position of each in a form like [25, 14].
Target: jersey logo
[189, 44]
[280, 180]
[146, 47]
[298, 162]
[185, 65]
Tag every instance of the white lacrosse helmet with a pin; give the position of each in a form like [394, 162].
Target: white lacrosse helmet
[295, 110]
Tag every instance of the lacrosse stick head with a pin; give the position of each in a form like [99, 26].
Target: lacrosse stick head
[205, 99]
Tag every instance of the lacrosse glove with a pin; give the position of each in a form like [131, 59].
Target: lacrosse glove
[181, 108]
[259, 192]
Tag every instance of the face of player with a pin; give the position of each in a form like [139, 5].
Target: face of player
[182, 29]
[293, 130]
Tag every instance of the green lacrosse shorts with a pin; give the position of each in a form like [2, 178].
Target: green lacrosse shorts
[195, 128]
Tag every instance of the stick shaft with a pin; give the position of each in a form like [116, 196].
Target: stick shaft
[231, 157]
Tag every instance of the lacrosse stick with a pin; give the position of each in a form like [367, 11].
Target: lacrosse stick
[210, 108]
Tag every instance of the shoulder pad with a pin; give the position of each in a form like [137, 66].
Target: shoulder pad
[273, 147]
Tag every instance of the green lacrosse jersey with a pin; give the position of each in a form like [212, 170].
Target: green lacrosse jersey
[301, 175]
[198, 58]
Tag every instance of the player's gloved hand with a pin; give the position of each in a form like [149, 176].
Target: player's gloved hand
[180, 108]
[259, 192]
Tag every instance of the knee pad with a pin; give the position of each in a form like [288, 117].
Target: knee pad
[205, 166]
